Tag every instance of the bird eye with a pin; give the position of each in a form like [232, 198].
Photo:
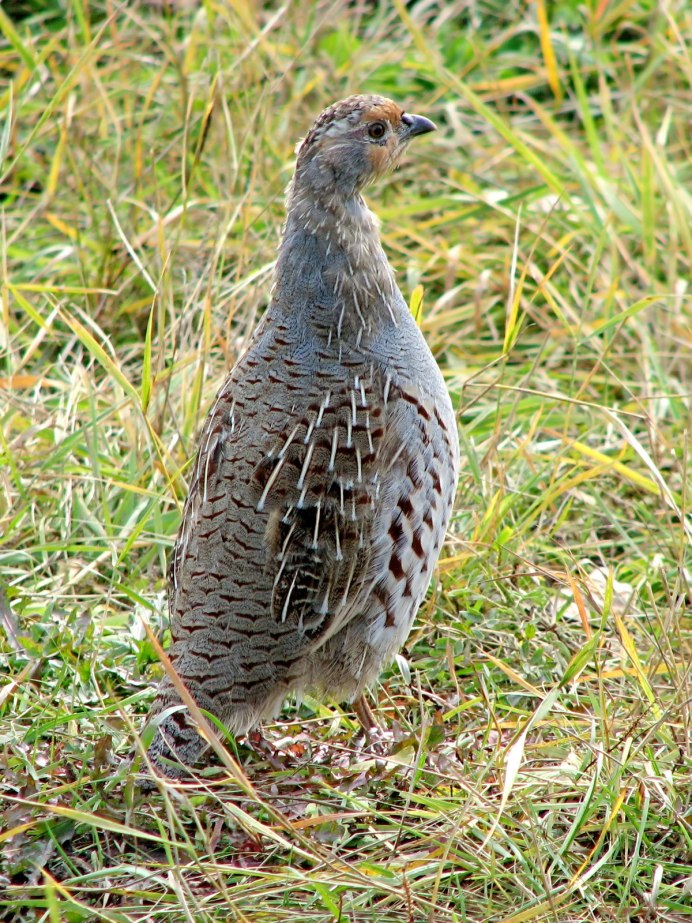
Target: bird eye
[377, 130]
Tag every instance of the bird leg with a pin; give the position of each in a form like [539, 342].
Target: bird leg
[365, 715]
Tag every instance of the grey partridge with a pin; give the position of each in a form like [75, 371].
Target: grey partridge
[327, 465]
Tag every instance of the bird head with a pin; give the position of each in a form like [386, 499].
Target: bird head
[355, 141]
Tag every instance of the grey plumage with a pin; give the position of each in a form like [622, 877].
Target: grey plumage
[327, 465]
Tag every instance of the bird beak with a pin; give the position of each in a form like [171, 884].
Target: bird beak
[417, 124]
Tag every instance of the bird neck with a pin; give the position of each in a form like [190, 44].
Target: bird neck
[332, 263]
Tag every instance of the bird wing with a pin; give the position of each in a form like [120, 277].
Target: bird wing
[307, 508]
[321, 488]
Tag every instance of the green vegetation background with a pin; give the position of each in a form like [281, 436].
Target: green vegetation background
[541, 770]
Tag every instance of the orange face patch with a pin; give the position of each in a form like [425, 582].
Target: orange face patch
[386, 112]
[381, 157]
